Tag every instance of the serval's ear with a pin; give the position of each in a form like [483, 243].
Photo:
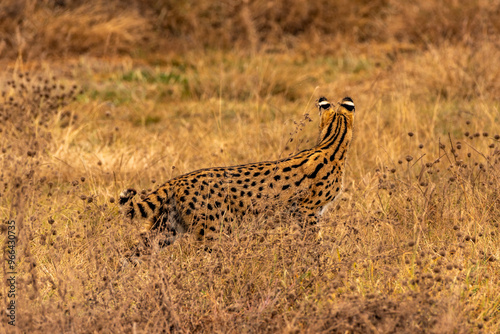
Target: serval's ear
[323, 104]
[348, 104]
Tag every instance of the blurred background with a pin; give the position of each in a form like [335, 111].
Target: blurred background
[38, 29]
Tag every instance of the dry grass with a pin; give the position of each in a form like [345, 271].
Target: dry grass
[57, 28]
[412, 247]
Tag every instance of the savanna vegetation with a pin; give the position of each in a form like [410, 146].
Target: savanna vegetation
[98, 96]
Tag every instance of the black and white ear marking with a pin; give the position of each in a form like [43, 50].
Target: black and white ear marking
[323, 103]
[347, 103]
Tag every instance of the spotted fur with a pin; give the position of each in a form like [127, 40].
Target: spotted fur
[203, 201]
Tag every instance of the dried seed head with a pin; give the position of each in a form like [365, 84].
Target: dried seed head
[409, 158]
[410, 134]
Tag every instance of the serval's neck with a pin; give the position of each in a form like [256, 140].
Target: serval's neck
[335, 137]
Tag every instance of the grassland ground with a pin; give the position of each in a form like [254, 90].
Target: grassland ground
[411, 247]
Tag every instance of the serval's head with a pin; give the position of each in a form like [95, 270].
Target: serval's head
[330, 116]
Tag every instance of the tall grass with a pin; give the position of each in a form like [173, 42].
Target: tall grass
[49, 28]
[411, 247]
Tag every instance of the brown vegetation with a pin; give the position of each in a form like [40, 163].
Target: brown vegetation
[154, 89]
[34, 28]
